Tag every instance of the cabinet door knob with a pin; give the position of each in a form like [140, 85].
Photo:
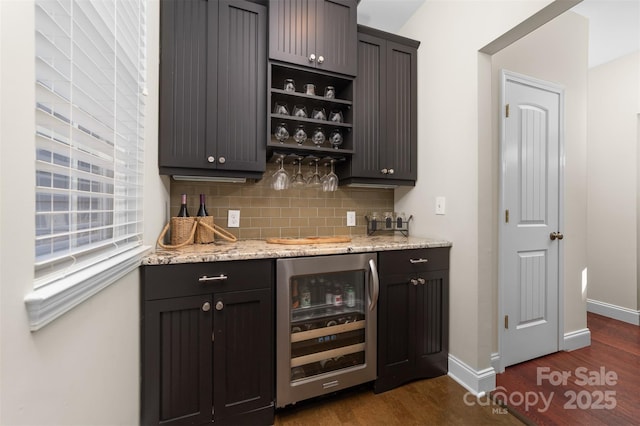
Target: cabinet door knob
[413, 281]
[391, 171]
[320, 59]
[219, 305]
[421, 281]
[222, 160]
[206, 306]
[211, 159]
[312, 57]
[384, 171]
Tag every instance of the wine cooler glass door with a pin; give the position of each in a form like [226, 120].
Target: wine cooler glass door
[328, 324]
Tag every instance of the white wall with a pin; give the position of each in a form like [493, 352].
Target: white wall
[613, 160]
[454, 156]
[83, 368]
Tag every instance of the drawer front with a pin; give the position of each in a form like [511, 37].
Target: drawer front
[164, 281]
[409, 261]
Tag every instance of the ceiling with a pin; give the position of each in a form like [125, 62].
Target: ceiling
[614, 25]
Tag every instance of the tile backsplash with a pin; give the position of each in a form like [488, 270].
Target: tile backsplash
[266, 213]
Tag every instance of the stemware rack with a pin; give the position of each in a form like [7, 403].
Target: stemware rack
[380, 226]
[342, 102]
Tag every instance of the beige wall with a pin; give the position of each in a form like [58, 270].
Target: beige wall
[265, 213]
[614, 105]
[557, 52]
[83, 368]
[456, 157]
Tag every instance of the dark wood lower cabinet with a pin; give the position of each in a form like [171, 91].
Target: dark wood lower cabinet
[413, 316]
[207, 346]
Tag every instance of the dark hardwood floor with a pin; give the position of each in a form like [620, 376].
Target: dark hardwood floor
[602, 385]
[614, 356]
[438, 401]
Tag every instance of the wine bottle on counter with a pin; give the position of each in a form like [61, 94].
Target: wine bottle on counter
[183, 207]
[202, 211]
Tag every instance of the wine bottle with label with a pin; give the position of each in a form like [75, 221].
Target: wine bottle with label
[183, 207]
[202, 211]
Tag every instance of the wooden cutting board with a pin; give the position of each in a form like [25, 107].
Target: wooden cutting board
[308, 240]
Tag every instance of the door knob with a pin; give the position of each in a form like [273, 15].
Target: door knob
[320, 59]
[421, 281]
[206, 306]
[219, 305]
[211, 159]
[222, 160]
[384, 171]
[391, 171]
[312, 57]
[413, 281]
[556, 235]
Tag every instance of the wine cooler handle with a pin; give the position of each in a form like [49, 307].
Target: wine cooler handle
[376, 284]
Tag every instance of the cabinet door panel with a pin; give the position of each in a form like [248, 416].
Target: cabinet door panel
[401, 112]
[396, 331]
[371, 98]
[432, 324]
[242, 74]
[176, 354]
[243, 352]
[184, 59]
[336, 40]
[292, 30]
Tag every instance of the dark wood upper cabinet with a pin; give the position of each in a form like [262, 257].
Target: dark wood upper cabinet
[320, 34]
[385, 105]
[213, 88]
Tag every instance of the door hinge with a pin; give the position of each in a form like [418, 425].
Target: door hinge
[506, 110]
[213, 336]
[506, 321]
[506, 216]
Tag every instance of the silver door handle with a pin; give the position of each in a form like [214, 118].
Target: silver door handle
[204, 278]
[376, 284]
[421, 260]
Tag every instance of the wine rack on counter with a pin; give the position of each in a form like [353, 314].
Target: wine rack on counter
[288, 88]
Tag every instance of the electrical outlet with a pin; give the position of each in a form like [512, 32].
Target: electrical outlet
[351, 218]
[440, 203]
[233, 219]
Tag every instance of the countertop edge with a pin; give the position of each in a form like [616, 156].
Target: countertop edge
[259, 249]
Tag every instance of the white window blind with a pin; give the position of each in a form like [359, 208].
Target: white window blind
[90, 75]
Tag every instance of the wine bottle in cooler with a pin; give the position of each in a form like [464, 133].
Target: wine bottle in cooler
[202, 211]
[183, 207]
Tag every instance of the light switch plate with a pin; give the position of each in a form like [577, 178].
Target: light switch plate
[233, 219]
[351, 218]
[440, 205]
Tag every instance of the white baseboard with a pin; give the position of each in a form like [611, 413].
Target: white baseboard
[476, 382]
[612, 311]
[495, 363]
[577, 339]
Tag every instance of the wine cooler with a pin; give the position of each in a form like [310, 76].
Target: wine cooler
[326, 324]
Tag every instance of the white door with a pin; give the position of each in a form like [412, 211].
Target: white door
[530, 235]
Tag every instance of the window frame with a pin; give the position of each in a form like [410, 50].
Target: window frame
[56, 293]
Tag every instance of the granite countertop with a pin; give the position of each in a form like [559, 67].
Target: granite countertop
[260, 249]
